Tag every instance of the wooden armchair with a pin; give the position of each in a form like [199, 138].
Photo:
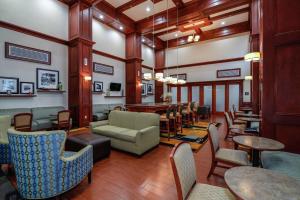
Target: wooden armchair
[63, 121]
[23, 122]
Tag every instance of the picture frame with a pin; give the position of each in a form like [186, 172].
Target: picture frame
[229, 73]
[47, 79]
[98, 86]
[149, 88]
[26, 87]
[29, 54]
[9, 85]
[180, 76]
[144, 89]
[103, 68]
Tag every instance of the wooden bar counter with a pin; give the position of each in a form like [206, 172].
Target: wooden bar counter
[148, 107]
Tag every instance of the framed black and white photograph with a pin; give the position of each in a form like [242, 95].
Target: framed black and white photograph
[103, 69]
[47, 79]
[20, 52]
[26, 88]
[98, 86]
[228, 73]
[144, 89]
[9, 85]
[149, 88]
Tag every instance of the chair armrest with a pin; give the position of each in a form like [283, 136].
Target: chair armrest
[99, 123]
[75, 168]
[148, 130]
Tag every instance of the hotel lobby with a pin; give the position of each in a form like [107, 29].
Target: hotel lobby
[149, 99]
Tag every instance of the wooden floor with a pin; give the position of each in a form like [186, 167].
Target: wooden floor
[124, 176]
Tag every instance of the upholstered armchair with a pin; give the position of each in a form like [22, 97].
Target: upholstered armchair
[43, 169]
[4, 147]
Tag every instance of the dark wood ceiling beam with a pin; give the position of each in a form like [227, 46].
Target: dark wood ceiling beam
[159, 44]
[89, 2]
[193, 10]
[178, 3]
[129, 5]
[213, 34]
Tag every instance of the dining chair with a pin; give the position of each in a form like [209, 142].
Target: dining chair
[43, 169]
[236, 120]
[184, 170]
[186, 114]
[5, 157]
[165, 122]
[175, 114]
[23, 121]
[63, 121]
[231, 126]
[225, 156]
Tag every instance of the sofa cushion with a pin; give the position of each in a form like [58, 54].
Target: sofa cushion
[45, 112]
[101, 116]
[43, 123]
[283, 162]
[116, 132]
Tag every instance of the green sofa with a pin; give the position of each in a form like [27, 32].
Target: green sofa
[134, 132]
[100, 111]
[42, 116]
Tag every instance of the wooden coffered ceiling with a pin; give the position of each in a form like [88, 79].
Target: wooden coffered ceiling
[202, 17]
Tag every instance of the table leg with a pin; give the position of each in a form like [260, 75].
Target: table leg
[255, 158]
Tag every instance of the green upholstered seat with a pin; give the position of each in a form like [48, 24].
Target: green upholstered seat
[283, 162]
[117, 132]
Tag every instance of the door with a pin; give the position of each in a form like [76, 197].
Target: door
[234, 95]
[220, 99]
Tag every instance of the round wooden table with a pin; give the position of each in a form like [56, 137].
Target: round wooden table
[258, 144]
[245, 109]
[252, 183]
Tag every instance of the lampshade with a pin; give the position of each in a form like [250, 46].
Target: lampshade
[148, 76]
[87, 78]
[168, 79]
[159, 75]
[181, 81]
[253, 56]
[174, 80]
[249, 78]
[190, 38]
[196, 38]
[162, 80]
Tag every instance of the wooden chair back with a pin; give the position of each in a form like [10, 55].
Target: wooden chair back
[184, 169]
[63, 119]
[23, 122]
[213, 138]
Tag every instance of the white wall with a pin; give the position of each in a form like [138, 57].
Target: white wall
[26, 71]
[148, 56]
[232, 47]
[108, 40]
[46, 16]
[112, 42]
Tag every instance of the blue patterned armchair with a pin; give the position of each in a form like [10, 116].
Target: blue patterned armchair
[43, 169]
[4, 147]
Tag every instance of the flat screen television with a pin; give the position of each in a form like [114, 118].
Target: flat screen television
[115, 87]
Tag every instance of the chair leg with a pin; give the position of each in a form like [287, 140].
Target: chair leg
[90, 177]
[168, 129]
[212, 168]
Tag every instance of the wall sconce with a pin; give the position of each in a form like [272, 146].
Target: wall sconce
[253, 56]
[87, 78]
[140, 84]
[248, 78]
[85, 61]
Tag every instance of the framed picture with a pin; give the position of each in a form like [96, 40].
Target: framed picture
[103, 69]
[9, 85]
[149, 88]
[47, 79]
[180, 76]
[144, 89]
[26, 88]
[227, 73]
[19, 52]
[98, 86]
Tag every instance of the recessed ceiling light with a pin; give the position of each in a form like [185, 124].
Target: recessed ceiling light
[153, 46]
[101, 16]
[121, 28]
[148, 9]
[143, 40]
[176, 35]
[223, 23]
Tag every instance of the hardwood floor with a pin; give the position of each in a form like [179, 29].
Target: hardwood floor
[126, 177]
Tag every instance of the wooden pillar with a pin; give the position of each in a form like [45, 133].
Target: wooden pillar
[159, 63]
[280, 41]
[254, 47]
[80, 63]
[133, 68]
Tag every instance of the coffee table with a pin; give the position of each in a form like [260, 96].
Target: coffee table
[258, 144]
[252, 183]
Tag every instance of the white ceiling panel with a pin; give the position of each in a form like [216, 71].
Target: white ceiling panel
[227, 21]
[139, 12]
[117, 3]
[172, 35]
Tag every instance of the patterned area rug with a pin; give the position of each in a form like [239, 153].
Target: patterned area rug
[7, 191]
[199, 130]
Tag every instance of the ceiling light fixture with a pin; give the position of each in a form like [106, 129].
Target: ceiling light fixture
[176, 35]
[196, 38]
[193, 38]
[121, 28]
[143, 40]
[190, 38]
[223, 23]
[101, 16]
[148, 9]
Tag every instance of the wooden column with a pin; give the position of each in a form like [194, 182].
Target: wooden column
[133, 68]
[254, 47]
[80, 63]
[281, 72]
[159, 63]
